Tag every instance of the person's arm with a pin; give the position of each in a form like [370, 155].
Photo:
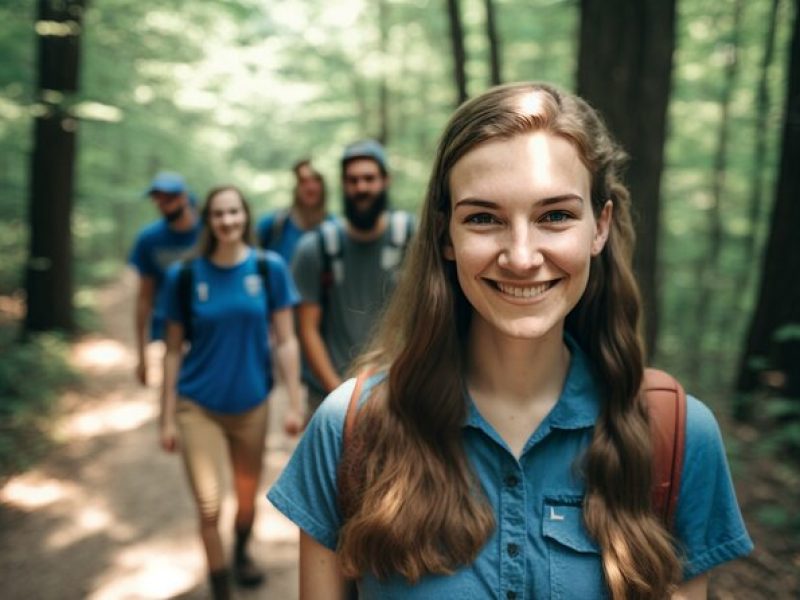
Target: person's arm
[172, 363]
[320, 575]
[694, 589]
[287, 355]
[144, 309]
[309, 318]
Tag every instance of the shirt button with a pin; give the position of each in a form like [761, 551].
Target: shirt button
[511, 595]
[511, 481]
[513, 550]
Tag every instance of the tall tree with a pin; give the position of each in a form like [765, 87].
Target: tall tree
[625, 70]
[49, 268]
[493, 36]
[383, 100]
[773, 333]
[459, 51]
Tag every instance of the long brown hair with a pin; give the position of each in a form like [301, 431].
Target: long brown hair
[207, 242]
[420, 508]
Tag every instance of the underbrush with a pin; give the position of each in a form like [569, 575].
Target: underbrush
[32, 372]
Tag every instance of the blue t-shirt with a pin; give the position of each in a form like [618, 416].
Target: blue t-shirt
[540, 547]
[157, 246]
[285, 242]
[227, 367]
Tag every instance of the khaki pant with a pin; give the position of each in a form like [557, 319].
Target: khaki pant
[208, 439]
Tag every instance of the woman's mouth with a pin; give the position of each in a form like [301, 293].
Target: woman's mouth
[524, 291]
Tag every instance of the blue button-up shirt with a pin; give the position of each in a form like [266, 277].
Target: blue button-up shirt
[540, 547]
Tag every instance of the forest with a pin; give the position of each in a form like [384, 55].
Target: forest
[98, 95]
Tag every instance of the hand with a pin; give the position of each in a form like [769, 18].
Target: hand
[141, 371]
[168, 435]
[294, 421]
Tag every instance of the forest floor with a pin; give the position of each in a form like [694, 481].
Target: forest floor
[107, 515]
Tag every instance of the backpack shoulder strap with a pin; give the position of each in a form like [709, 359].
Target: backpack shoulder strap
[666, 404]
[263, 270]
[331, 242]
[352, 408]
[185, 285]
[399, 228]
[272, 235]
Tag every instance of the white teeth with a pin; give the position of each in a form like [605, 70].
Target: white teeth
[523, 292]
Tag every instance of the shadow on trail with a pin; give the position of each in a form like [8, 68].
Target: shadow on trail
[108, 514]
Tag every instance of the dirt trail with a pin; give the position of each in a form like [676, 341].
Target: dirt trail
[108, 515]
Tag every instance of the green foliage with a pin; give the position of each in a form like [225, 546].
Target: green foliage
[31, 374]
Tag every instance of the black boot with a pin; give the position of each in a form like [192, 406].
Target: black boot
[245, 571]
[220, 584]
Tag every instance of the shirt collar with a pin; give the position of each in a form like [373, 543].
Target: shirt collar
[578, 406]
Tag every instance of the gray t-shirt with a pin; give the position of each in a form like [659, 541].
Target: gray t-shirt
[368, 276]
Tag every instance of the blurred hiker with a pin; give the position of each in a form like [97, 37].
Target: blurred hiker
[157, 246]
[503, 447]
[346, 269]
[280, 230]
[222, 306]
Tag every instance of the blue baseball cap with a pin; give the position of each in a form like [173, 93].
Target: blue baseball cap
[366, 149]
[167, 182]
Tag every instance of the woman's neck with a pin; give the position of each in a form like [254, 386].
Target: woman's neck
[520, 371]
[229, 254]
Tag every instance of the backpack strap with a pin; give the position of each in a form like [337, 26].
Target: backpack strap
[185, 285]
[331, 242]
[273, 235]
[666, 404]
[399, 228]
[263, 270]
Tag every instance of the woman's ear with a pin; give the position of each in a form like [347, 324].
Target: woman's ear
[602, 228]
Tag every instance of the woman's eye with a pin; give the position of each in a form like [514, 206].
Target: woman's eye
[556, 216]
[481, 219]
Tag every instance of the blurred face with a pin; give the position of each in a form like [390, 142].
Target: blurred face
[522, 232]
[309, 187]
[170, 205]
[227, 217]
[364, 192]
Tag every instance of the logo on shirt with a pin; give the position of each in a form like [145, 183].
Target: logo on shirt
[252, 284]
[202, 291]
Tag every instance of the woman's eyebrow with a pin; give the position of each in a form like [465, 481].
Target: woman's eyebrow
[481, 203]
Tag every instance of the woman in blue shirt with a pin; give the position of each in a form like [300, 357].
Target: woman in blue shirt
[504, 447]
[224, 303]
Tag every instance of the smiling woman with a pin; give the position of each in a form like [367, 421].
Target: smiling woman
[502, 448]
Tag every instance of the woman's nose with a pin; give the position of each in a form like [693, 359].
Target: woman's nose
[522, 250]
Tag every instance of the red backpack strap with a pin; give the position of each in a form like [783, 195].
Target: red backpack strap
[666, 404]
[352, 408]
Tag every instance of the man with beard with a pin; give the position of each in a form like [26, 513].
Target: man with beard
[346, 269]
[157, 246]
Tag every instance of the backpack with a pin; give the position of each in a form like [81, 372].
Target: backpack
[666, 404]
[274, 234]
[186, 283]
[331, 244]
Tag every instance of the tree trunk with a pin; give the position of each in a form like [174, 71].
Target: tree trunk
[625, 70]
[778, 305]
[494, 44]
[49, 269]
[459, 52]
[707, 274]
[383, 109]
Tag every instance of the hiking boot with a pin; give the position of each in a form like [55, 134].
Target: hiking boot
[220, 584]
[246, 572]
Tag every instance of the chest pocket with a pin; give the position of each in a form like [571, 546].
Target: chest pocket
[576, 571]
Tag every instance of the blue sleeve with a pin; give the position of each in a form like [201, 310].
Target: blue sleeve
[264, 229]
[141, 258]
[171, 302]
[307, 267]
[306, 491]
[708, 522]
[281, 285]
